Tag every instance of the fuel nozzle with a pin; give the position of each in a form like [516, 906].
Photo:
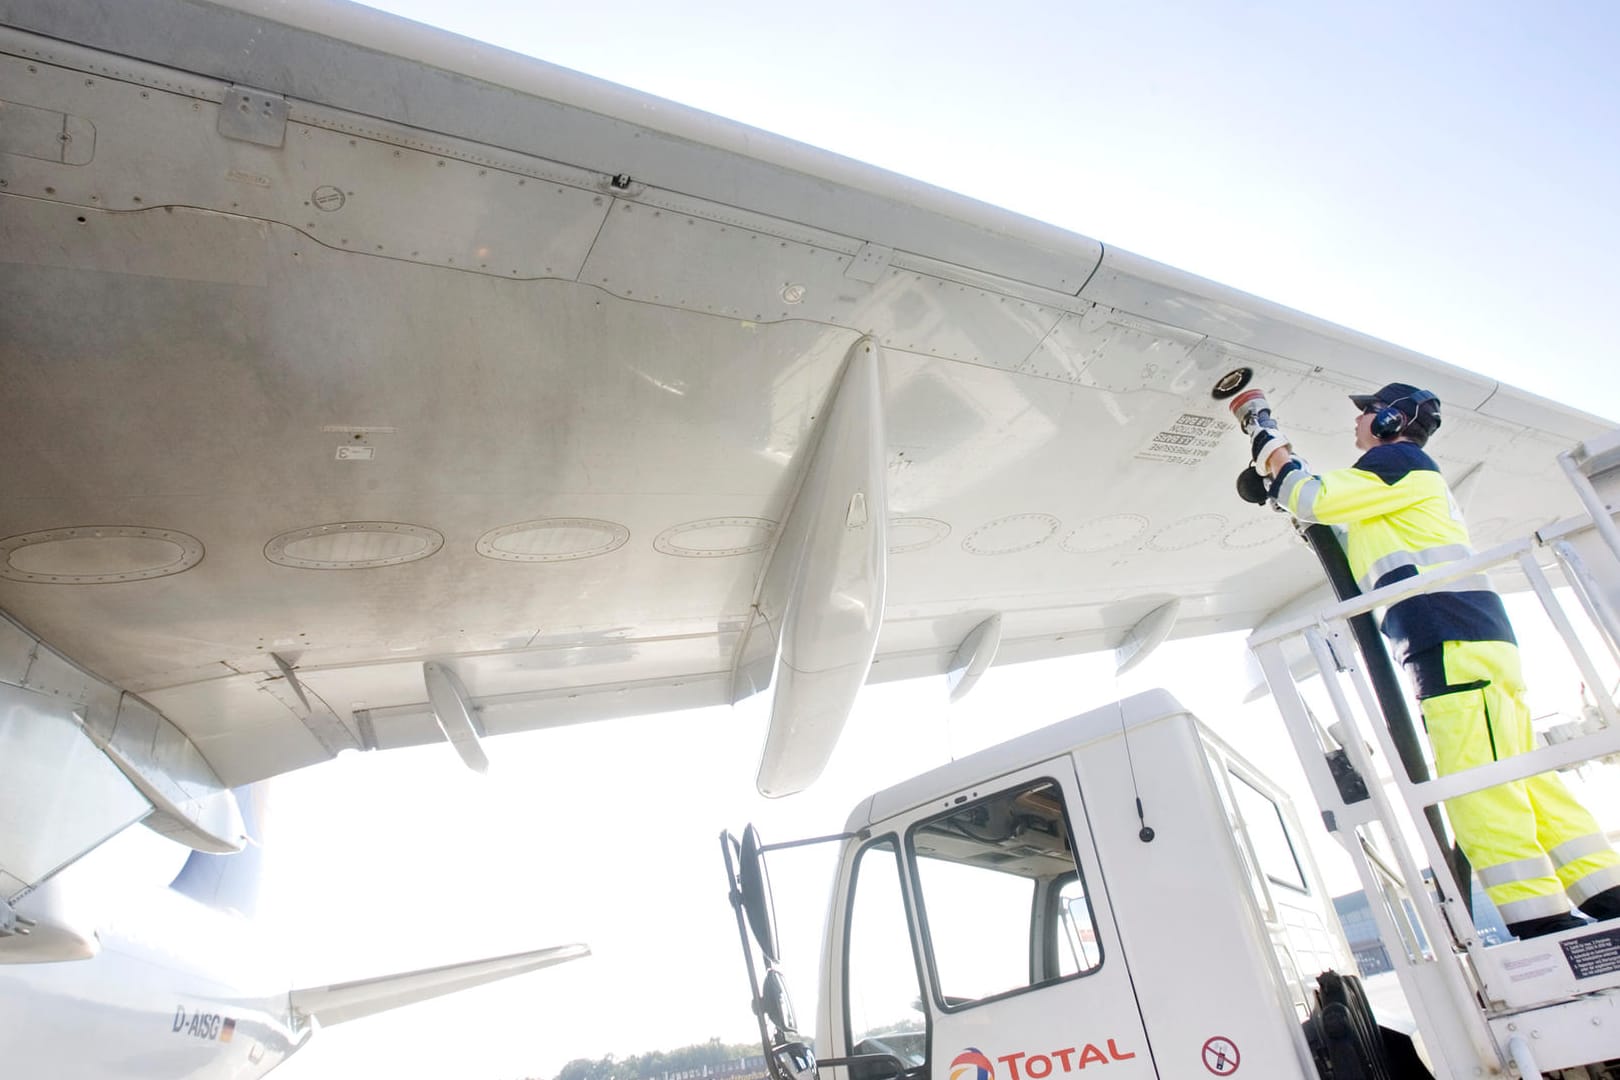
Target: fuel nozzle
[1252, 411]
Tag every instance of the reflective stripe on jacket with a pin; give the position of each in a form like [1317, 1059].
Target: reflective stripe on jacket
[1400, 521]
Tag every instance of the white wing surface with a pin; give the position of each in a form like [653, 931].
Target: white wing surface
[333, 345]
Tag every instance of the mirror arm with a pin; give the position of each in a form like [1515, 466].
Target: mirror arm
[863, 834]
[866, 1059]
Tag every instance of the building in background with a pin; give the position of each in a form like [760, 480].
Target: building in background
[1355, 914]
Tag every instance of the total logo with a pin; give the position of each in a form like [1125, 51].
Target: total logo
[974, 1064]
[971, 1064]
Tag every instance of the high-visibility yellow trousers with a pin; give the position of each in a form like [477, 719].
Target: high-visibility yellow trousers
[1531, 843]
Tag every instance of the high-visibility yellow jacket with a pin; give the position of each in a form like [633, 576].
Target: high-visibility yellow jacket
[1400, 521]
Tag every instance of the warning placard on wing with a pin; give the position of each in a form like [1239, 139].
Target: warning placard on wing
[1187, 441]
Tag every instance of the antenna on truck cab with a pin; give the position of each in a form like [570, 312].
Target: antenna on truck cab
[1146, 833]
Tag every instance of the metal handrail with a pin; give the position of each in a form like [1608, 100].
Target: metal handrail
[1519, 766]
[1390, 868]
[1399, 590]
[1602, 518]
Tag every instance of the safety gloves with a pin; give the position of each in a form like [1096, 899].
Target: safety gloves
[1268, 441]
[1257, 483]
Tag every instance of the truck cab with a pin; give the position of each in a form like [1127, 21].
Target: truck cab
[1118, 891]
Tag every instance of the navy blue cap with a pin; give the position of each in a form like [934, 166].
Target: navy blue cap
[1393, 394]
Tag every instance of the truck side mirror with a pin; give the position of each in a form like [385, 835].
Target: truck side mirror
[795, 1061]
[756, 894]
[778, 1006]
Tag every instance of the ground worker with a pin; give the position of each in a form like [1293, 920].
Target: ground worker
[1534, 848]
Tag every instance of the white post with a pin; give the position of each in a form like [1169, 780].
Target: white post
[1538, 582]
[1589, 496]
[1591, 594]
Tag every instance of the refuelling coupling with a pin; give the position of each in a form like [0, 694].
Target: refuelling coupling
[1252, 411]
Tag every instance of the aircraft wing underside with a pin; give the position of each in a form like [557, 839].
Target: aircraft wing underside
[333, 345]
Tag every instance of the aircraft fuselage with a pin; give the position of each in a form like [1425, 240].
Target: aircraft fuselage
[156, 1000]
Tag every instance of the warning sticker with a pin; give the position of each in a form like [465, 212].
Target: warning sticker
[1221, 1056]
[1593, 955]
[1187, 441]
[1530, 967]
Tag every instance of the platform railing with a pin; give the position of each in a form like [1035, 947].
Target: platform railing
[1457, 987]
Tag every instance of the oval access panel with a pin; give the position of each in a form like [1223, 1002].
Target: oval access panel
[1007, 535]
[353, 545]
[716, 538]
[97, 554]
[553, 540]
[915, 533]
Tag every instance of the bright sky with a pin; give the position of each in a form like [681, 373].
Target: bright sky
[1442, 177]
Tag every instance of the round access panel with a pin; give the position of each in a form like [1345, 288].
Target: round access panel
[1106, 534]
[1262, 530]
[1186, 533]
[1005, 536]
[915, 533]
[716, 538]
[97, 554]
[353, 545]
[553, 540]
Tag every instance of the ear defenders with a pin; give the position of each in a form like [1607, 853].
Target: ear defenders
[1391, 420]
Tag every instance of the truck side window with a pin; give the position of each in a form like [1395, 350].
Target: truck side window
[1272, 845]
[882, 989]
[1004, 905]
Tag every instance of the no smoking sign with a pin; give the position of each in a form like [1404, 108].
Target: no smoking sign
[1221, 1056]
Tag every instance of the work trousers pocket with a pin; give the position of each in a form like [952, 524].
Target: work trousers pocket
[1460, 733]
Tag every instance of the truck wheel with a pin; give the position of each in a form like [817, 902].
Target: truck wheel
[1347, 1041]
